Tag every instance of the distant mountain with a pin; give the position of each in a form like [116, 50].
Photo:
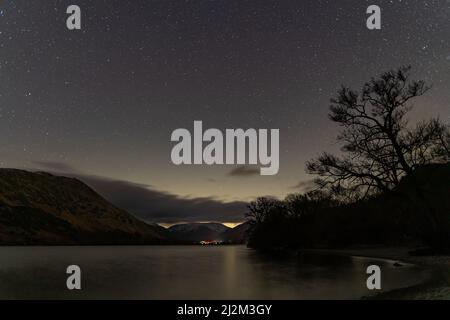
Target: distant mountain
[41, 208]
[196, 232]
[238, 234]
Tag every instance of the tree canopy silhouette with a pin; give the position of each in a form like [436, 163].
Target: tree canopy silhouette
[405, 168]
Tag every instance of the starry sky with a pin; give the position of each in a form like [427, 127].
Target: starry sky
[100, 103]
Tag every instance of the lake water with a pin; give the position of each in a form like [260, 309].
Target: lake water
[189, 272]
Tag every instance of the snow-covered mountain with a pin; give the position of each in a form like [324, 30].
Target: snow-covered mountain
[197, 231]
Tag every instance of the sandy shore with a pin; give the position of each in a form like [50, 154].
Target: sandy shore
[436, 287]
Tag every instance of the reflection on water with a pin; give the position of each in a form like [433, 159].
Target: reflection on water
[189, 272]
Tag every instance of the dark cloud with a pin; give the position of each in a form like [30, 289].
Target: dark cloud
[152, 205]
[244, 171]
[304, 186]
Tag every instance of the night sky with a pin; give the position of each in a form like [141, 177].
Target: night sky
[100, 103]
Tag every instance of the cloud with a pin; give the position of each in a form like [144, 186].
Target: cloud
[304, 186]
[244, 171]
[152, 205]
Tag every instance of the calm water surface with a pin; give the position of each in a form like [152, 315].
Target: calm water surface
[189, 272]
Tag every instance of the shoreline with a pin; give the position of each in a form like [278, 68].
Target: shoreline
[435, 286]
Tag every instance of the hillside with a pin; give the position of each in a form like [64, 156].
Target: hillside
[416, 213]
[40, 208]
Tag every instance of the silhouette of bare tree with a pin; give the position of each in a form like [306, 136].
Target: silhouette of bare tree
[379, 148]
